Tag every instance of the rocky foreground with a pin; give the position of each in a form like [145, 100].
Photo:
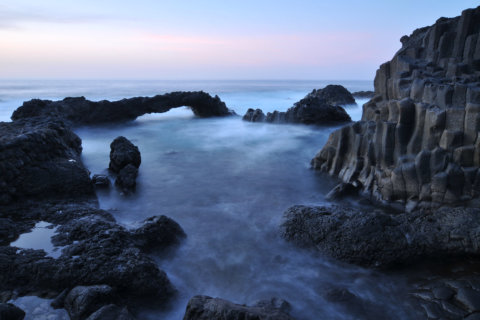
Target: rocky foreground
[416, 151]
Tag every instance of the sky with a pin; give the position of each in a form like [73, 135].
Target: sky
[209, 39]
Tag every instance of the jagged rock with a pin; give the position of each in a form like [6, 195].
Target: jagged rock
[9, 311]
[100, 181]
[333, 94]
[111, 312]
[343, 190]
[158, 233]
[252, 115]
[82, 301]
[313, 109]
[96, 251]
[122, 153]
[126, 178]
[80, 111]
[382, 240]
[363, 94]
[207, 308]
[40, 159]
[417, 139]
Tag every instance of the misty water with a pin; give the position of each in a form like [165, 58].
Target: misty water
[227, 183]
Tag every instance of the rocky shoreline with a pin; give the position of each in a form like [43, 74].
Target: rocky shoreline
[416, 152]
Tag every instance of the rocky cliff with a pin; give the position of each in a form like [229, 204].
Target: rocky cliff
[418, 138]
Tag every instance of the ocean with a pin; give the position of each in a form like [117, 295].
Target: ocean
[227, 183]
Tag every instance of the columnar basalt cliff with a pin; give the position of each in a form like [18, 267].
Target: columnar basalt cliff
[418, 139]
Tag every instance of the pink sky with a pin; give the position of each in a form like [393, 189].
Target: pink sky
[57, 40]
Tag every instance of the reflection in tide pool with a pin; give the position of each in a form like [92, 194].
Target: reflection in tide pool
[39, 239]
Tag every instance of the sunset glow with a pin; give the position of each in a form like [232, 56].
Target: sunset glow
[182, 40]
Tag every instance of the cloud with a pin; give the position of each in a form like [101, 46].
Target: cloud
[19, 17]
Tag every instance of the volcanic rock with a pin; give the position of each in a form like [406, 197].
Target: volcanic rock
[9, 311]
[158, 233]
[381, 239]
[363, 94]
[122, 153]
[313, 109]
[40, 159]
[80, 111]
[82, 301]
[333, 95]
[207, 308]
[417, 140]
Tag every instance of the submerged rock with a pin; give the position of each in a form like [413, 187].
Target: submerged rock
[100, 181]
[418, 138]
[207, 308]
[80, 111]
[383, 240]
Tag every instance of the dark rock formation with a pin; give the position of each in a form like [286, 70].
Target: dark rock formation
[96, 251]
[158, 233]
[418, 136]
[379, 239]
[313, 109]
[256, 115]
[79, 111]
[41, 159]
[333, 94]
[82, 301]
[363, 94]
[100, 181]
[9, 311]
[122, 153]
[111, 312]
[207, 308]
[127, 178]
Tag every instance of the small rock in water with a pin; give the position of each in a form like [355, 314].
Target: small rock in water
[100, 181]
[126, 179]
[122, 153]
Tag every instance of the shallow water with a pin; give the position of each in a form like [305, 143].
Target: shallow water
[39, 238]
[227, 183]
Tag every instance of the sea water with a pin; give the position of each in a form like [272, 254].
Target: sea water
[227, 183]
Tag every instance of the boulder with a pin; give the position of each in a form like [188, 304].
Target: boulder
[101, 181]
[422, 124]
[82, 301]
[158, 233]
[333, 95]
[80, 111]
[9, 311]
[123, 153]
[111, 312]
[207, 308]
[252, 115]
[381, 239]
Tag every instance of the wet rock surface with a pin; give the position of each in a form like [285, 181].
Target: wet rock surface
[122, 153]
[315, 108]
[80, 111]
[417, 140]
[363, 94]
[383, 240]
[207, 308]
[40, 159]
[82, 301]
